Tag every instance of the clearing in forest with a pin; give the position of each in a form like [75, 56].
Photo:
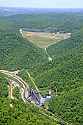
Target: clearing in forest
[45, 39]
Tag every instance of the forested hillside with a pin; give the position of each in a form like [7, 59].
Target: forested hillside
[22, 114]
[64, 73]
[17, 53]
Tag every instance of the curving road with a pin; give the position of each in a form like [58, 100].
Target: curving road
[23, 85]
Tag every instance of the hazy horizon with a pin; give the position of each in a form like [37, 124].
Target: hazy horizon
[53, 4]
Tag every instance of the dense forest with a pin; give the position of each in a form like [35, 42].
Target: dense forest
[64, 73]
[22, 114]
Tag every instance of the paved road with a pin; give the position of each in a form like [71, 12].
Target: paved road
[13, 76]
[23, 85]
